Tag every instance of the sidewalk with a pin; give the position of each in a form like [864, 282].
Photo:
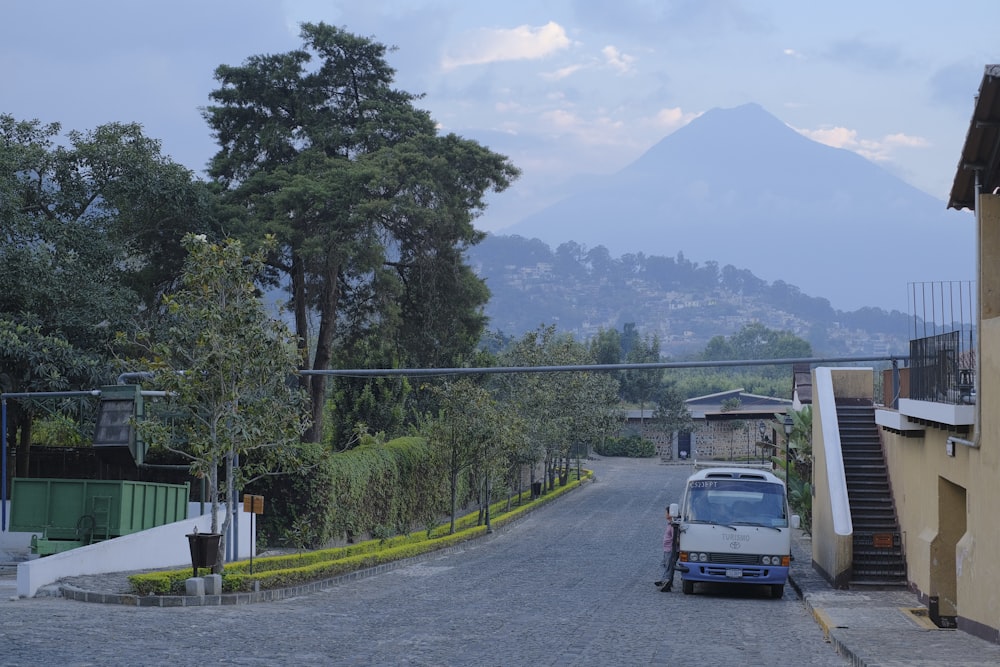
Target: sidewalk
[875, 627]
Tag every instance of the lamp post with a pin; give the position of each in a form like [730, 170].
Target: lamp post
[761, 431]
[788, 446]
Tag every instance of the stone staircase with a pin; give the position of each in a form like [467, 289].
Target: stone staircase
[878, 550]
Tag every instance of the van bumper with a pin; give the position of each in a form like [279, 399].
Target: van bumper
[734, 574]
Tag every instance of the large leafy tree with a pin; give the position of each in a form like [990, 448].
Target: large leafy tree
[372, 209]
[88, 233]
[756, 341]
[91, 221]
[58, 267]
[225, 366]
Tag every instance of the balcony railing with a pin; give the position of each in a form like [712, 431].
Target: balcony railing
[942, 369]
[943, 345]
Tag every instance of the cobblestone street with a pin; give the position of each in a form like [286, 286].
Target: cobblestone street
[571, 584]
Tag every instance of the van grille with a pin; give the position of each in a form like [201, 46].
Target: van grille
[735, 559]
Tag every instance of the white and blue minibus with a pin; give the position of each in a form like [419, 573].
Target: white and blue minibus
[734, 526]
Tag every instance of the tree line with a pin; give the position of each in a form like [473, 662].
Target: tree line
[331, 184]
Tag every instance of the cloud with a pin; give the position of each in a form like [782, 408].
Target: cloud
[600, 129]
[837, 137]
[561, 73]
[905, 141]
[524, 42]
[792, 53]
[618, 60]
[673, 118]
[876, 150]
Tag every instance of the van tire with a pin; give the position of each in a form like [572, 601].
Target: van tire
[687, 587]
[777, 591]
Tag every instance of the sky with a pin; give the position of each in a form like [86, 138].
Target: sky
[568, 89]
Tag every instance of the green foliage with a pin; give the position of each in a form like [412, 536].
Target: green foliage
[731, 404]
[755, 341]
[90, 227]
[56, 431]
[799, 465]
[560, 409]
[378, 487]
[32, 361]
[225, 366]
[92, 221]
[800, 498]
[372, 209]
[800, 489]
[298, 507]
[379, 404]
[301, 535]
[671, 414]
[606, 347]
[287, 571]
[640, 386]
[475, 436]
[632, 445]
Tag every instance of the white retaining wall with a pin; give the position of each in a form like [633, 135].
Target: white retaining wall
[160, 547]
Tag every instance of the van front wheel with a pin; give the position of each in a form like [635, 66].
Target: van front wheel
[777, 591]
[687, 587]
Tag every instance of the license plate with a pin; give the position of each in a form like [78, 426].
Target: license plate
[734, 573]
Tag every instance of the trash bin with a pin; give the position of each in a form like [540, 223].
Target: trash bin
[204, 549]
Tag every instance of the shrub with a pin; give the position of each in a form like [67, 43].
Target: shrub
[376, 488]
[633, 446]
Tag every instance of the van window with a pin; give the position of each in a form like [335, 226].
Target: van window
[733, 501]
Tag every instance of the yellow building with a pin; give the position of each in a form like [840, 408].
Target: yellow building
[940, 447]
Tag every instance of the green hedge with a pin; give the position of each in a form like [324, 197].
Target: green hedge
[377, 488]
[633, 446]
[296, 569]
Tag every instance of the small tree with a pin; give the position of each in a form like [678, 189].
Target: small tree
[672, 414]
[464, 436]
[558, 408]
[228, 370]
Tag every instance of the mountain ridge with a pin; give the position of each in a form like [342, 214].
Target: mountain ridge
[685, 304]
[738, 186]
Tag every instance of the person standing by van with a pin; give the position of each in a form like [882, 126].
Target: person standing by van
[669, 556]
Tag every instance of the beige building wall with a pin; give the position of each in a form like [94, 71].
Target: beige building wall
[650, 430]
[726, 440]
[948, 497]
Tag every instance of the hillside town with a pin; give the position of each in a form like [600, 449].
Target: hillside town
[684, 315]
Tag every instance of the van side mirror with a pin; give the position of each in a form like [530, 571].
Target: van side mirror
[796, 521]
[674, 509]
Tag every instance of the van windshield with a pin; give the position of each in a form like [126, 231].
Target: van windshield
[735, 502]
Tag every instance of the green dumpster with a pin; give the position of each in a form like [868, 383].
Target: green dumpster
[71, 513]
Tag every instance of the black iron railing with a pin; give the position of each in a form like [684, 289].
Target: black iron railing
[942, 369]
